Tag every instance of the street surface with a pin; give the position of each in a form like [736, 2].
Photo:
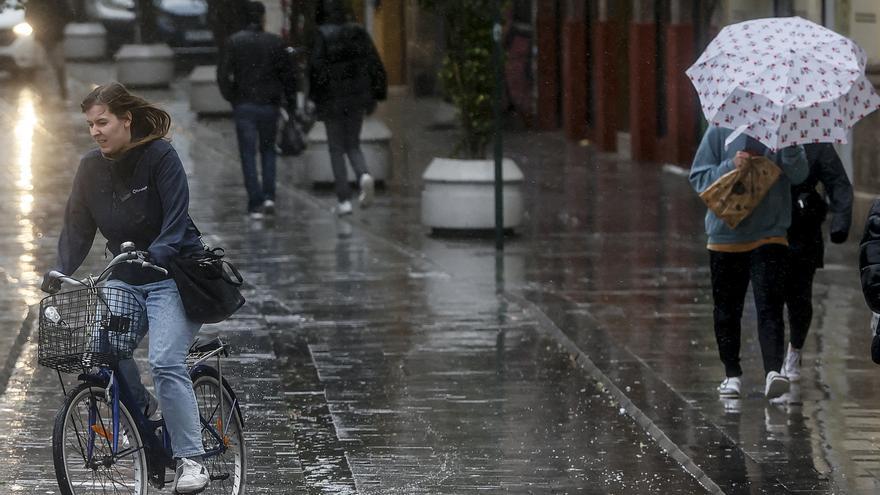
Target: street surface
[375, 358]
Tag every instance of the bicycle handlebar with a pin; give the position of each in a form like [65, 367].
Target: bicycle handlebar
[130, 257]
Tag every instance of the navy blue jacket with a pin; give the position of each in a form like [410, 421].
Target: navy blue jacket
[142, 197]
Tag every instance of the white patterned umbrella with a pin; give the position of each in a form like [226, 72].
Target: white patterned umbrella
[783, 81]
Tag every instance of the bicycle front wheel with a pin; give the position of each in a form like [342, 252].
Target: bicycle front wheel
[222, 434]
[82, 447]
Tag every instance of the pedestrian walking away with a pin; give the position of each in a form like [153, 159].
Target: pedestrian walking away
[133, 188]
[755, 251]
[806, 247]
[255, 72]
[346, 80]
[48, 18]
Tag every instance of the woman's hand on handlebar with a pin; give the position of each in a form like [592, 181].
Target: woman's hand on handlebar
[143, 259]
[50, 284]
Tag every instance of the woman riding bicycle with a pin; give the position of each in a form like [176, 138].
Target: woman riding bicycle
[133, 188]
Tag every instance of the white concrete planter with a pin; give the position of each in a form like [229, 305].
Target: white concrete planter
[145, 65]
[375, 143]
[460, 194]
[85, 41]
[204, 93]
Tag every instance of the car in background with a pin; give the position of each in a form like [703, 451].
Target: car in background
[20, 54]
[117, 16]
[183, 24]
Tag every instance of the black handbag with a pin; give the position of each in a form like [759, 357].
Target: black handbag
[208, 285]
[290, 136]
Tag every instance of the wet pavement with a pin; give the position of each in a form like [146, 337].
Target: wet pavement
[376, 358]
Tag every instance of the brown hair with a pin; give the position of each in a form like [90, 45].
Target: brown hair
[148, 122]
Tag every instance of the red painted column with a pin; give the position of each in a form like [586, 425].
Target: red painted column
[547, 43]
[605, 77]
[643, 83]
[574, 77]
[681, 96]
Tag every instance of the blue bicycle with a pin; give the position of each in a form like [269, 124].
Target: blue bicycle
[102, 441]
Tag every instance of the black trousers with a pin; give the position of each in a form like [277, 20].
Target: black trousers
[765, 269]
[344, 139]
[804, 258]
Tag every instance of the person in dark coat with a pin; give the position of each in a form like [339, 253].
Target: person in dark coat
[255, 73]
[48, 18]
[346, 79]
[869, 270]
[806, 247]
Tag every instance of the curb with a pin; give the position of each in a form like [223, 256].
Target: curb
[639, 416]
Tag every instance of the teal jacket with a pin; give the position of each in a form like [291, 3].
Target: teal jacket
[772, 217]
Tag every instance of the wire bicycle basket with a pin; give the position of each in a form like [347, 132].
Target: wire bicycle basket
[88, 327]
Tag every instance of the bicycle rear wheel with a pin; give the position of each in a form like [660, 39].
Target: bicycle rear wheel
[82, 447]
[227, 469]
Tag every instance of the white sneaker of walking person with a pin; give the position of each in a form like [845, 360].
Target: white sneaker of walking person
[343, 208]
[191, 477]
[268, 207]
[777, 385]
[368, 189]
[730, 387]
[791, 367]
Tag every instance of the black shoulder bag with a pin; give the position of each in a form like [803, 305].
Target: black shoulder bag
[208, 285]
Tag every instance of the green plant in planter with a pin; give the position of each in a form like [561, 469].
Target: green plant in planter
[467, 73]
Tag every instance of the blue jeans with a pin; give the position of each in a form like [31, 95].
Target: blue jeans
[257, 124]
[171, 334]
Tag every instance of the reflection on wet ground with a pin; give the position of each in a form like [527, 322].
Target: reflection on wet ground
[375, 358]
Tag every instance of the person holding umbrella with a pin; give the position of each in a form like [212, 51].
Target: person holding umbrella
[755, 252]
[768, 86]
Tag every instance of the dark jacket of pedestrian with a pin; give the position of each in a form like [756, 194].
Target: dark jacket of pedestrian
[346, 74]
[48, 18]
[141, 197]
[256, 68]
[809, 208]
[869, 258]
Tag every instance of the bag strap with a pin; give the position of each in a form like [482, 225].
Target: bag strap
[227, 270]
[235, 273]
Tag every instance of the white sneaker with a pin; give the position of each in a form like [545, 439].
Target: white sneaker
[343, 208]
[791, 368]
[777, 385]
[191, 477]
[730, 387]
[368, 188]
[268, 207]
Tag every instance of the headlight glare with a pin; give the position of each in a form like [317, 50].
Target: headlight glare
[23, 29]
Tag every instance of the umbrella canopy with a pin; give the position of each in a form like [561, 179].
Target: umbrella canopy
[783, 81]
